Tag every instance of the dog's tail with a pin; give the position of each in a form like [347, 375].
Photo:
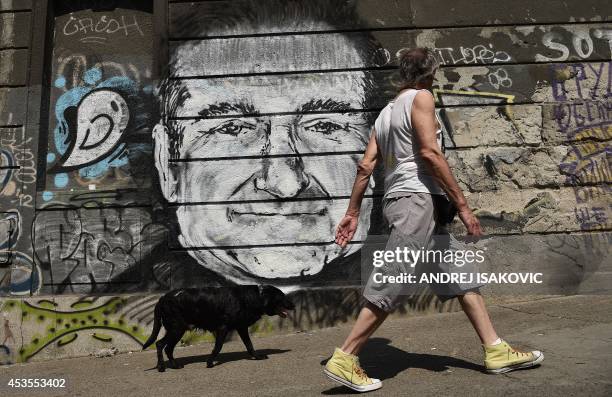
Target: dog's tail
[156, 327]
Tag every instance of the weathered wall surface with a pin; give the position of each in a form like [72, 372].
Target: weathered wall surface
[18, 152]
[163, 144]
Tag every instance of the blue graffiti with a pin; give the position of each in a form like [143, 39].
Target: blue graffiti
[92, 76]
[61, 180]
[65, 113]
[47, 195]
[25, 276]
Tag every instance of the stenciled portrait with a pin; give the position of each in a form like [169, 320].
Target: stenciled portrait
[259, 139]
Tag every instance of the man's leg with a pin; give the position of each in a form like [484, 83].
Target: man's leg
[474, 307]
[500, 357]
[410, 218]
[343, 366]
[369, 319]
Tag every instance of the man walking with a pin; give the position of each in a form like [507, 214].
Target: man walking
[407, 138]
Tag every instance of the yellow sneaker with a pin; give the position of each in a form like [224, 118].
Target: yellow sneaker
[345, 369]
[503, 358]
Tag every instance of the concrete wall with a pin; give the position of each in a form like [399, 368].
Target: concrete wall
[150, 145]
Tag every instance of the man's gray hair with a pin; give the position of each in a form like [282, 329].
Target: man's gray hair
[416, 65]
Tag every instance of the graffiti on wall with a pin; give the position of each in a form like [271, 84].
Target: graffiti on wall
[84, 250]
[100, 133]
[587, 123]
[103, 325]
[479, 54]
[101, 99]
[90, 322]
[579, 44]
[96, 30]
[92, 126]
[18, 168]
[250, 160]
[99, 151]
[236, 169]
[19, 275]
[260, 168]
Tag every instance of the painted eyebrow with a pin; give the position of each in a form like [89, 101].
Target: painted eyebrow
[223, 108]
[318, 105]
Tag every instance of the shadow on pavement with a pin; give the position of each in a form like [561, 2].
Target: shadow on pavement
[222, 358]
[384, 361]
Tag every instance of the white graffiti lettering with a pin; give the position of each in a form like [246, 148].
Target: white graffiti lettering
[500, 78]
[103, 25]
[17, 152]
[479, 54]
[582, 44]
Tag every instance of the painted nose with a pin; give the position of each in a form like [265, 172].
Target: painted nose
[281, 177]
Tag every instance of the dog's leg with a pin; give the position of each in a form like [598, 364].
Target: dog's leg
[246, 339]
[161, 367]
[220, 336]
[172, 338]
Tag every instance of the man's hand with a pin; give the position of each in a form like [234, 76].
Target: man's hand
[346, 229]
[470, 221]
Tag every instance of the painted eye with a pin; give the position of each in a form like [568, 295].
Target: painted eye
[324, 127]
[233, 127]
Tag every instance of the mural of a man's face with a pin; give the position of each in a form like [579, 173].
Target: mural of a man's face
[270, 163]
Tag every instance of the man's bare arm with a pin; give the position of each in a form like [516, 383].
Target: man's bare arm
[364, 171]
[348, 225]
[424, 124]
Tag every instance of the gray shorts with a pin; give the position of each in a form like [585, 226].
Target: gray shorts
[412, 222]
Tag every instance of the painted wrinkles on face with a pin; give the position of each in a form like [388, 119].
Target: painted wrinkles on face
[292, 133]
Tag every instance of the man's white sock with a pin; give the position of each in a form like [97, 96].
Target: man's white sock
[497, 342]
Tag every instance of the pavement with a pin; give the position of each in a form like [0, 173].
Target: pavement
[432, 355]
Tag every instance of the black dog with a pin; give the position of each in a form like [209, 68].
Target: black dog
[218, 310]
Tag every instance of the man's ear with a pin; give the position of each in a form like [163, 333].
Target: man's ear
[167, 178]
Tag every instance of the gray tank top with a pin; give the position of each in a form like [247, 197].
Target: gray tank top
[405, 170]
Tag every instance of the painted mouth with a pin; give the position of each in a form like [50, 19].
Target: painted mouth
[231, 214]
